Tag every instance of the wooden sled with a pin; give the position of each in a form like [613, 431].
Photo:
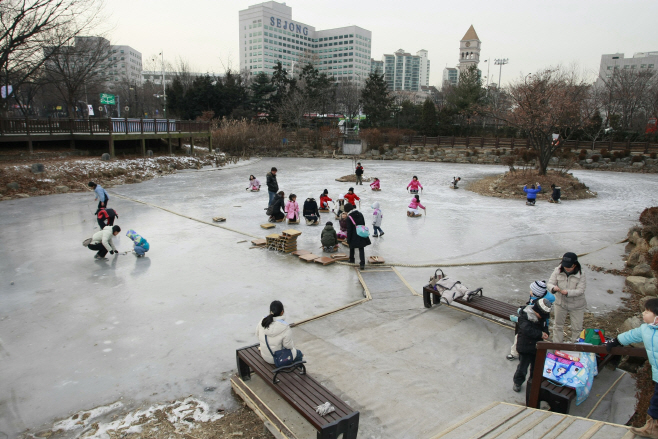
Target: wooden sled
[414, 215]
[324, 210]
[267, 226]
[312, 223]
[324, 260]
[310, 257]
[279, 221]
[375, 260]
[375, 189]
[293, 222]
[219, 219]
[340, 256]
[300, 252]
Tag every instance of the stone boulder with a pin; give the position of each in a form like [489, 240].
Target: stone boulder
[105, 157]
[642, 301]
[636, 283]
[633, 235]
[643, 270]
[61, 189]
[638, 164]
[650, 289]
[631, 323]
[13, 186]
[22, 195]
[642, 245]
[37, 168]
[653, 242]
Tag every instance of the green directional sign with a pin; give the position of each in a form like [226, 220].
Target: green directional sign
[108, 99]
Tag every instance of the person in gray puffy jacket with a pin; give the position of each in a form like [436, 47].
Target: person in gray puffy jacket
[278, 332]
[568, 284]
[377, 217]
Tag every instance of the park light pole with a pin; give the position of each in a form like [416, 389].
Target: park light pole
[500, 62]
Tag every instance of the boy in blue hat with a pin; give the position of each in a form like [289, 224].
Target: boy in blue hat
[537, 291]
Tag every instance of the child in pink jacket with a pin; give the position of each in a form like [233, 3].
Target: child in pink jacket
[413, 207]
[414, 185]
[292, 208]
[375, 185]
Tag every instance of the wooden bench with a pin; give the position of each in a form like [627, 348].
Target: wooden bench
[558, 397]
[479, 302]
[303, 393]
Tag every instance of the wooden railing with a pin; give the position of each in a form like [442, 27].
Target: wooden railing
[100, 126]
[543, 346]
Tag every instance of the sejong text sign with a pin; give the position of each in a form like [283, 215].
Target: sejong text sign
[292, 27]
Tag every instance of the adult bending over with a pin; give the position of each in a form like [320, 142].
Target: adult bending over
[355, 218]
[278, 333]
[277, 207]
[101, 195]
[102, 241]
[568, 283]
[106, 217]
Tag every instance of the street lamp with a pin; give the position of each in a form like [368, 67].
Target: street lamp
[500, 62]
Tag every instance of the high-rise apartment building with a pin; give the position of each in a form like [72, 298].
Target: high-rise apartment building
[268, 35]
[403, 71]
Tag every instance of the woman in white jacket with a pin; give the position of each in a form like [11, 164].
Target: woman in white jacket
[278, 332]
[568, 283]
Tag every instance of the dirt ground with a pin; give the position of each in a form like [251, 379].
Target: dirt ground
[72, 173]
[510, 185]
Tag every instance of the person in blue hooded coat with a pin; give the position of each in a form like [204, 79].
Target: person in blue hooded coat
[647, 333]
[531, 193]
[141, 244]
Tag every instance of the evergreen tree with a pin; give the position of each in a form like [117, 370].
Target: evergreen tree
[375, 100]
[428, 119]
[262, 90]
[468, 94]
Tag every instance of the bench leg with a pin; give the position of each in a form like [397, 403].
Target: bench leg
[436, 299]
[348, 427]
[427, 300]
[243, 369]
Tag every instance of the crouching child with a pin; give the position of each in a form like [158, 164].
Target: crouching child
[141, 244]
[329, 238]
[646, 333]
[532, 327]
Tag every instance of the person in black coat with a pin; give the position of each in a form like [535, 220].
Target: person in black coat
[556, 194]
[106, 216]
[531, 328]
[272, 185]
[310, 210]
[277, 207]
[355, 218]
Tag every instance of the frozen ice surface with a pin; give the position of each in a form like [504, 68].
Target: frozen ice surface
[175, 318]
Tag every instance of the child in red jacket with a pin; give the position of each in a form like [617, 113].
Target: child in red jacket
[324, 200]
[351, 197]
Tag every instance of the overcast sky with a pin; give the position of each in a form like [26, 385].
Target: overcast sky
[531, 34]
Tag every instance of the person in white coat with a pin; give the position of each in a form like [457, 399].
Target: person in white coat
[102, 241]
[568, 283]
[278, 332]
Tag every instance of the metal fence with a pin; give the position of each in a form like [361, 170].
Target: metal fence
[99, 126]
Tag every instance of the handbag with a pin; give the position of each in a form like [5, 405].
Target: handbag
[270, 210]
[362, 231]
[86, 242]
[282, 357]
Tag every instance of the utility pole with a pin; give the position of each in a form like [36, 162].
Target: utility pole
[501, 62]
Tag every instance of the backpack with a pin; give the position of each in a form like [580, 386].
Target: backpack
[362, 231]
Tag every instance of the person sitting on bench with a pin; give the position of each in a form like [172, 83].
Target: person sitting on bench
[277, 207]
[278, 333]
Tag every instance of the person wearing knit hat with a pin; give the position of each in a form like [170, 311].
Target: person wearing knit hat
[568, 283]
[532, 328]
[537, 291]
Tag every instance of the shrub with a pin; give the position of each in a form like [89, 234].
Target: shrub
[595, 158]
[654, 263]
[653, 155]
[637, 159]
[416, 150]
[649, 219]
[583, 151]
[528, 155]
[394, 137]
[627, 152]
[372, 136]
[468, 153]
[582, 156]
[474, 152]
[509, 160]
[382, 149]
[618, 154]
[605, 153]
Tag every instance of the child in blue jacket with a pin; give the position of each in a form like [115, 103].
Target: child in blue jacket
[531, 193]
[648, 334]
[537, 291]
[141, 244]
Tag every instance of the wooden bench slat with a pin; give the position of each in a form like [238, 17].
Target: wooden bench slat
[292, 383]
[304, 405]
[306, 383]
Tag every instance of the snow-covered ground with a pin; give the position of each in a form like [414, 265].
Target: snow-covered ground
[77, 333]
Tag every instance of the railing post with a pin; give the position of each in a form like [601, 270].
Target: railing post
[71, 125]
[155, 126]
[537, 374]
[497, 142]
[467, 141]
[125, 120]
[141, 125]
[209, 138]
[50, 126]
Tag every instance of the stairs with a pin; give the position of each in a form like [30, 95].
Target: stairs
[502, 420]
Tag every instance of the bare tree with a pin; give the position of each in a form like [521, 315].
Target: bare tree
[295, 104]
[27, 26]
[546, 103]
[72, 68]
[347, 95]
[624, 94]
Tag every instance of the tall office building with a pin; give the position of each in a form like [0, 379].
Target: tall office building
[268, 35]
[403, 71]
[640, 62]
